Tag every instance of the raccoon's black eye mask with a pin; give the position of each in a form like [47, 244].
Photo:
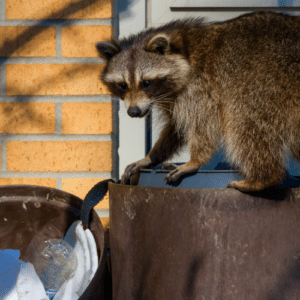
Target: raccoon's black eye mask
[146, 84]
[161, 86]
[122, 86]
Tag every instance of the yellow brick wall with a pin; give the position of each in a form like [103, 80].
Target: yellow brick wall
[56, 117]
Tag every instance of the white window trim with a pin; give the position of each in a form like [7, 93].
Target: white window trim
[131, 130]
[233, 3]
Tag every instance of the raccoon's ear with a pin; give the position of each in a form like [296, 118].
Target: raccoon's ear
[107, 50]
[160, 43]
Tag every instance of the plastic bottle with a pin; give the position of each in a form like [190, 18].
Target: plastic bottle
[54, 262]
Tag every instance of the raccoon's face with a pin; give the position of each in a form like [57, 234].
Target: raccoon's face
[143, 74]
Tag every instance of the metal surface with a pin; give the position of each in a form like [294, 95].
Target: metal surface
[32, 214]
[204, 244]
[203, 178]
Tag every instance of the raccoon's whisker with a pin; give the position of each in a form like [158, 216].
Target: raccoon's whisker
[166, 104]
[166, 109]
[163, 103]
[163, 96]
[163, 99]
[166, 94]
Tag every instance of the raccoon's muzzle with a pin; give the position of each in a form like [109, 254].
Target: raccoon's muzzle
[136, 112]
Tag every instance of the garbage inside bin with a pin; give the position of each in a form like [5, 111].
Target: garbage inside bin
[84, 247]
[62, 267]
[18, 279]
[55, 262]
[31, 215]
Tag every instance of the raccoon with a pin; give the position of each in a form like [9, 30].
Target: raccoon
[234, 83]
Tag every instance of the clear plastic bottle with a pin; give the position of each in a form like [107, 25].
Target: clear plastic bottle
[54, 262]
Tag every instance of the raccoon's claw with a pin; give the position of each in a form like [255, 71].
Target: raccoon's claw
[180, 171]
[133, 169]
[173, 175]
[129, 171]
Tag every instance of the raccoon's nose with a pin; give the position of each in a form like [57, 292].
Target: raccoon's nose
[134, 111]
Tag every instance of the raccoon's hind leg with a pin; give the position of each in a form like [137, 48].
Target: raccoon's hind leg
[259, 157]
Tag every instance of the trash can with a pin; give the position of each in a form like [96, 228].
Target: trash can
[204, 243]
[33, 214]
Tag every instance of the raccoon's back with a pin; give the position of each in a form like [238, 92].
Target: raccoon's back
[257, 71]
[263, 40]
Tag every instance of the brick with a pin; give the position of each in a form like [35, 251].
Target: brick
[30, 118]
[48, 182]
[58, 9]
[54, 79]
[86, 118]
[80, 41]
[24, 41]
[56, 156]
[81, 186]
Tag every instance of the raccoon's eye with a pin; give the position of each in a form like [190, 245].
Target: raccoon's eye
[123, 86]
[146, 84]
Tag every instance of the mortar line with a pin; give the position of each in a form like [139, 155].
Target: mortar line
[57, 99]
[33, 174]
[73, 22]
[3, 10]
[59, 183]
[2, 80]
[51, 60]
[58, 41]
[58, 118]
[54, 137]
[3, 156]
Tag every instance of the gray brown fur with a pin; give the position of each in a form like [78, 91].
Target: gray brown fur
[235, 83]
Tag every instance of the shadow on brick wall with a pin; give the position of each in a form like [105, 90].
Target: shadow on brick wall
[11, 46]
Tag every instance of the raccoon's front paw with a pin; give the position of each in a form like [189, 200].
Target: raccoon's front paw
[180, 171]
[168, 166]
[133, 169]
